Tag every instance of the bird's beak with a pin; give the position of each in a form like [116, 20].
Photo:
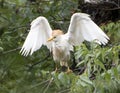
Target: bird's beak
[50, 39]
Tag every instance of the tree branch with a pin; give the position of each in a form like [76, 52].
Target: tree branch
[112, 8]
[36, 63]
[50, 81]
[12, 50]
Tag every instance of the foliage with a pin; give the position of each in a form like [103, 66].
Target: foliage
[18, 74]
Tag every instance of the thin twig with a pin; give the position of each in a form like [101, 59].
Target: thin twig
[48, 85]
[36, 85]
[39, 84]
[31, 66]
[4, 17]
[111, 3]
[64, 91]
[12, 50]
[112, 8]
[19, 27]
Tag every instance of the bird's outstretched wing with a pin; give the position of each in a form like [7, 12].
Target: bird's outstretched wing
[39, 32]
[83, 28]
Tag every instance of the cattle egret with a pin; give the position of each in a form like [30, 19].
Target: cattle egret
[81, 28]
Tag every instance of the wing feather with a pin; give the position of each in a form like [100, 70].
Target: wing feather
[83, 28]
[39, 32]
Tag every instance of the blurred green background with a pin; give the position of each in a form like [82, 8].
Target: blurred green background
[34, 74]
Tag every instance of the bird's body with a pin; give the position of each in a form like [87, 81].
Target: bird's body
[61, 49]
[81, 28]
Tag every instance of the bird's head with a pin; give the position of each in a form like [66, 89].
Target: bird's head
[55, 35]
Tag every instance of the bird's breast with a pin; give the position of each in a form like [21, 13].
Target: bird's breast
[61, 51]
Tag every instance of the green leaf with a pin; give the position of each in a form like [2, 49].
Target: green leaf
[80, 63]
[86, 79]
[56, 80]
[97, 62]
[81, 83]
[64, 79]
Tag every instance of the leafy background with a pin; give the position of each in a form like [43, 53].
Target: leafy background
[96, 69]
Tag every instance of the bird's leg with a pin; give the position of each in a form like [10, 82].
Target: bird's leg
[68, 69]
[56, 67]
[65, 64]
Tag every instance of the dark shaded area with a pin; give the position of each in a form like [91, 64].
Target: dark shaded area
[102, 12]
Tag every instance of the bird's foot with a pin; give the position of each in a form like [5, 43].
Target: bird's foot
[69, 71]
[56, 69]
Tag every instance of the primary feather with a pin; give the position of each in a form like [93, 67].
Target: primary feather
[39, 32]
[83, 28]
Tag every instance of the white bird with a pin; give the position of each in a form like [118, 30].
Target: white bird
[81, 28]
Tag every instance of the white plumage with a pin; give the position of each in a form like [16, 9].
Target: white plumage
[81, 28]
[39, 32]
